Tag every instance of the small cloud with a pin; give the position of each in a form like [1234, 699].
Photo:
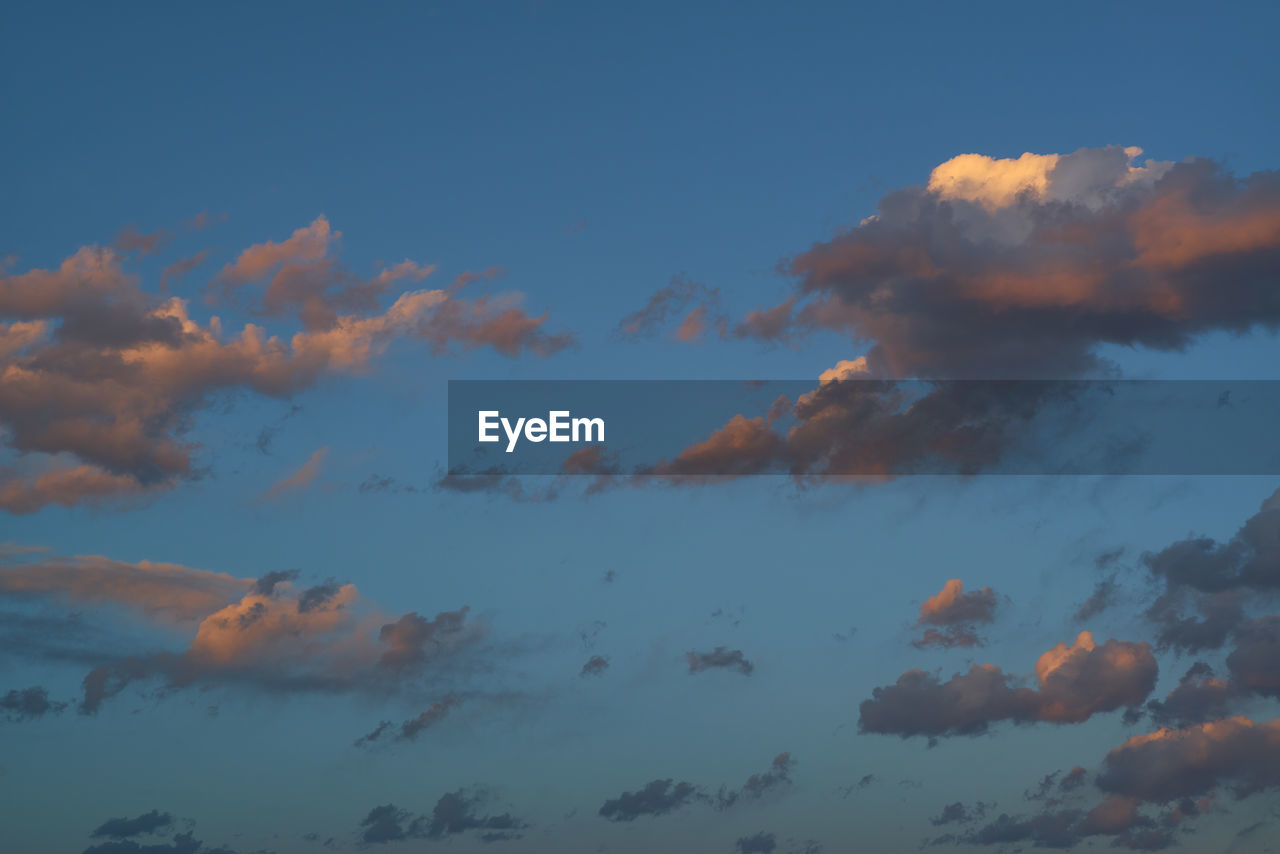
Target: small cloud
[303, 477]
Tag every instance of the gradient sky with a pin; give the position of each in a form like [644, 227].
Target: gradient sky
[581, 158]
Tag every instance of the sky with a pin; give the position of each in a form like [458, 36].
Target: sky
[245, 607]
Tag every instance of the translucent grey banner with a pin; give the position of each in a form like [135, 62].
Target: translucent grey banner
[683, 429]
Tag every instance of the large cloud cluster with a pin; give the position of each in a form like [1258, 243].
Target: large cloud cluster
[100, 378]
[1073, 683]
[1024, 266]
[269, 634]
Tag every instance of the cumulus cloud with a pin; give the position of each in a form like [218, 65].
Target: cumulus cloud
[1116, 817]
[1254, 664]
[1024, 266]
[1169, 764]
[1198, 697]
[269, 634]
[951, 614]
[99, 378]
[273, 644]
[1001, 269]
[852, 425]
[1206, 582]
[1073, 683]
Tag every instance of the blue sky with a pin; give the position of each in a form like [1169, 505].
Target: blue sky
[592, 152]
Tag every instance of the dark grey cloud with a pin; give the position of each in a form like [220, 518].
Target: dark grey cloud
[958, 813]
[1198, 697]
[266, 585]
[1103, 597]
[314, 598]
[122, 828]
[414, 639]
[1254, 665]
[656, 798]
[1056, 784]
[409, 730]
[759, 785]
[454, 814]
[1206, 583]
[720, 657]
[121, 835]
[1115, 817]
[28, 704]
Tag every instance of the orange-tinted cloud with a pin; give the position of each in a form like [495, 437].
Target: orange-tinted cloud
[1023, 267]
[1074, 682]
[1177, 763]
[303, 477]
[98, 371]
[167, 591]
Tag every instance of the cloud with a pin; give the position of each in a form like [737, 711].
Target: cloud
[122, 828]
[660, 797]
[178, 270]
[1177, 763]
[303, 477]
[131, 240]
[1205, 582]
[66, 487]
[952, 606]
[455, 813]
[758, 785]
[28, 704]
[1073, 683]
[410, 730]
[654, 799]
[1254, 664]
[1103, 597]
[956, 612]
[265, 634]
[120, 833]
[166, 591]
[1024, 267]
[1115, 816]
[100, 378]
[852, 425]
[958, 813]
[1198, 697]
[691, 301]
[720, 657]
